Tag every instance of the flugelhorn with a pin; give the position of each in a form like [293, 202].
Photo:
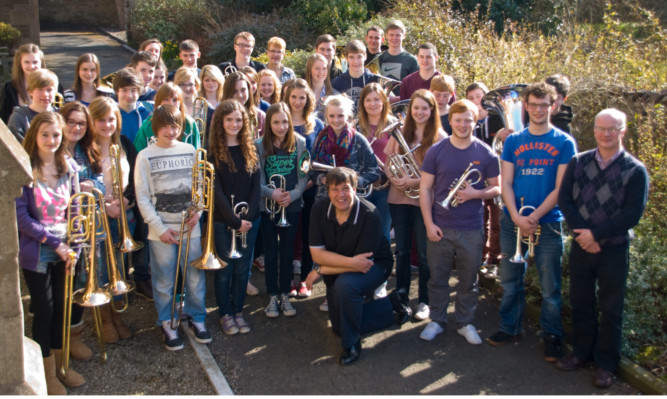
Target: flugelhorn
[239, 209]
[403, 165]
[200, 115]
[272, 206]
[531, 240]
[460, 183]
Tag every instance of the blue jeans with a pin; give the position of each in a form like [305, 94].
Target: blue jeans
[231, 281]
[379, 199]
[409, 223]
[163, 270]
[548, 253]
[273, 247]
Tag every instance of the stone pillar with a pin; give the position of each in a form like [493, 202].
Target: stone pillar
[24, 16]
[21, 365]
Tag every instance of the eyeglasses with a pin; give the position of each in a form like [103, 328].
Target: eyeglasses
[243, 45]
[72, 123]
[611, 130]
[275, 51]
[538, 106]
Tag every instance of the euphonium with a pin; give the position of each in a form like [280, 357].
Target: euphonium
[239, 209]
[531, 240]
[125, 243]
[200, 115]
[460, 183]
[271, 206]
[82, 235]
[403, 165]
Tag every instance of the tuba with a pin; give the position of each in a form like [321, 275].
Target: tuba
[200, 115]
[458, 184]
[403, 165]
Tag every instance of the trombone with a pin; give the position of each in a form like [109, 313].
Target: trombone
[272, 206]
[531, 240]
[202, 199]
[403, 165]
[200, 115]
[125, 243]
[82, 234]
[239, 209]
[458, 184]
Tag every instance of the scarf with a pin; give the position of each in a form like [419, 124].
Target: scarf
[330, 147]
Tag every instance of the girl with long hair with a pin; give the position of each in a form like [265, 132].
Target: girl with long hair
[422, 128]
[236, 162]
[212, 81]
[87, 84]
[27, 59]
[268, 86]
[238, 87]
[317, 77]
[44, 256]
[282, 183]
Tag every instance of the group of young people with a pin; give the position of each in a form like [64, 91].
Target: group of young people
[311, 181]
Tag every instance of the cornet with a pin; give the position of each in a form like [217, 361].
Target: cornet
[460, 183]
[239, 209]
[403, 165]
[531, 240]
[272, 206]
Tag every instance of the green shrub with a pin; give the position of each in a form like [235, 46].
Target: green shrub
[169, 19]
[328, 16]
[293, 59]
[9, 35]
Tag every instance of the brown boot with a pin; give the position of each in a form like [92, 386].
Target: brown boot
[53, 384]
[72, 379]
[77, 349]
[108, 330]
[123, 330]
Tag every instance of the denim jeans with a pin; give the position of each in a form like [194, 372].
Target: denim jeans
[379, 199]
[231, 281]
[548, 253]
[597, 287]
[278, 243]
[407, 221]
[163, 269]
[461, 250]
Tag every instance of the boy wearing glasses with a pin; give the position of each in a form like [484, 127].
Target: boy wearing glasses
[533, 164]
[244, 43]
[603, 195]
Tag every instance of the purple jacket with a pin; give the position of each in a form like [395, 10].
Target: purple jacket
[31, 231]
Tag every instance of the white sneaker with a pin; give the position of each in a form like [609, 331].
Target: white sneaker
[381, 291]
[422, 312]
[430, 331]
[469, 332]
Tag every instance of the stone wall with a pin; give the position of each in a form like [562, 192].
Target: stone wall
[78, 12]
[24, 16]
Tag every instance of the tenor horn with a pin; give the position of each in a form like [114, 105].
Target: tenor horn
[388, 84]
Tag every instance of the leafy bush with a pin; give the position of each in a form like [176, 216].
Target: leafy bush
[223, 27]
[328, 16]
[9, 35]
[293, 59]
[169, 19]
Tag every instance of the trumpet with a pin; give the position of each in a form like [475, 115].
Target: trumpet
[239, 209]
[271, 206]
[531, 240]
[203, 175]
[125, 243]
[82, 234]
[307, 165]
[403, 165]
[458, 184]
[200, 115]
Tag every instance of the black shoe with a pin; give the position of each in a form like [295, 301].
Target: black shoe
[403, 315]
[351, 355]
[202, 335]
[501, 338]
[570, 363]
[402, 296]
[399, 302]
[553, 348]
[145, 289]
[603, 378]
[172, 342]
